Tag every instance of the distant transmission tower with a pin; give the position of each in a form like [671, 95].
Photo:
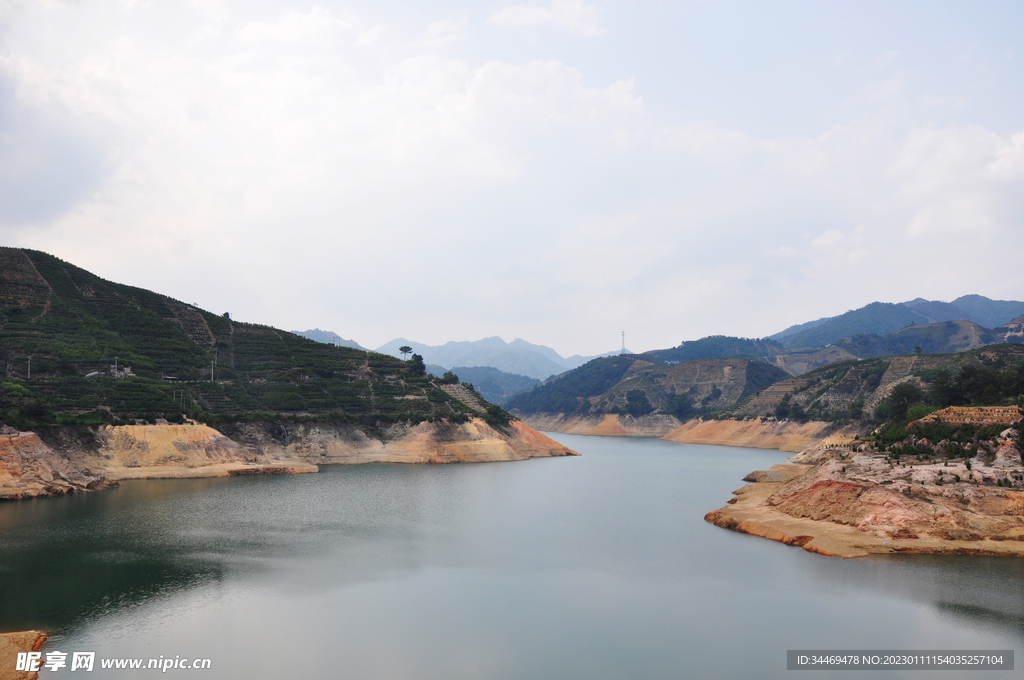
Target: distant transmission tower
[623, 343]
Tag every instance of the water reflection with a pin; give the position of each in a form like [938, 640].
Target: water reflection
[65, 560]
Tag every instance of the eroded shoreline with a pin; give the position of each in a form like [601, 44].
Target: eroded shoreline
[852, 503]
[30, 468]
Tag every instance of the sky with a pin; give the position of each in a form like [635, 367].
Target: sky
[558, 171]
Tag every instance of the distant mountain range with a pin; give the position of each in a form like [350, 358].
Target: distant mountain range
[719, 373]
[500, 369]
[518, 357]
[883, 318]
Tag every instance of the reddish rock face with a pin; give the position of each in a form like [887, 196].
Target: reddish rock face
[30, 468]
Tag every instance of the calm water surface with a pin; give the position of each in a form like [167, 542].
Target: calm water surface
[592, 567]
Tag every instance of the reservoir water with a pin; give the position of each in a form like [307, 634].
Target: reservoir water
[593, 567]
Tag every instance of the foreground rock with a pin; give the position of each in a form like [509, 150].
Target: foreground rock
[762, 433]
[608, 425]
[846, 503]
[11, 644]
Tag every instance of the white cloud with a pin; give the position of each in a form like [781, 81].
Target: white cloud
[961, 180]
[293, 131]
[445, 32]
[576, 16]
[311, 168]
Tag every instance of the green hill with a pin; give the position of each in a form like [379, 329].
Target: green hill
[878, 317]
[567, 392]
[102, 352]
[633, 385]
[855, 389]
[717, 346]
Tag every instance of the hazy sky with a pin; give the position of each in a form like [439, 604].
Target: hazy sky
[556, 171]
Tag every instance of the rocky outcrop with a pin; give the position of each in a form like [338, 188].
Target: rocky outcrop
[851, 502]
[439, 442]
[608, 425]
[761, 433]
[11, 644]
[30, 468]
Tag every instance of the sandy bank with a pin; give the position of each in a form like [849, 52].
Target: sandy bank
[761, 434]
[438, 442]
[609, 425]
[13, 643]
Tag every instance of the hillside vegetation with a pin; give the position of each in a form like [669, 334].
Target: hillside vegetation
[881, 389]
[102, 352]
[633, 385]
[717, 347]
[877, 317]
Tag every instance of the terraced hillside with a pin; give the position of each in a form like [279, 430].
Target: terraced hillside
[854, 389]
[75, 348]
[637, 387]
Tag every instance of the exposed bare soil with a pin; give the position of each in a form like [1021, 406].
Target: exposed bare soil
[847, 503]
[609, 425]
[28, 467]
[759, 433]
